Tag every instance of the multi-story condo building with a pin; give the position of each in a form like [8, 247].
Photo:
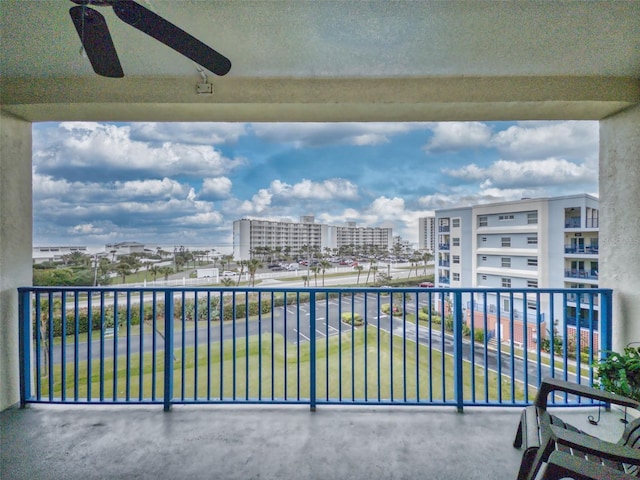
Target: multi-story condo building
[248, 234]
[530, 243]
[427, 233]
[350, 234]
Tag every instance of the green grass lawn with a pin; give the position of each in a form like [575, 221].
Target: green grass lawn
[368, 365]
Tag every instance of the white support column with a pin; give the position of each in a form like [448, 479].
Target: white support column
[15, 245]
[619, 249]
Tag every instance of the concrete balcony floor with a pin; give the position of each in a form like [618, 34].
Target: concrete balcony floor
[267, 442]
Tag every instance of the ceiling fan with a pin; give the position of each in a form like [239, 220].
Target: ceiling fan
[97, 44]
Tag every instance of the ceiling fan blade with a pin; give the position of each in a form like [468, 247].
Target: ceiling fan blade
[96, 41]
[166, 32]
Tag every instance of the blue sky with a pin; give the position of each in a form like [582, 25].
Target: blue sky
[184, 183]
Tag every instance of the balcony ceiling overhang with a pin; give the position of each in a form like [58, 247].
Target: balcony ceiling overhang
[333, 61]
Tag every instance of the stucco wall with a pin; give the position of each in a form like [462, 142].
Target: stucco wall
[619, 249]
[15, 244]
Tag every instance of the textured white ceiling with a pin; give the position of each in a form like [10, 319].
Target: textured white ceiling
[296, 38]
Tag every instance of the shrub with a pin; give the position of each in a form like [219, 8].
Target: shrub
[356, 318]
[478, 335]
[386, 308]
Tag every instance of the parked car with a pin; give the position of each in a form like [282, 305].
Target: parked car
[229, 273]
[426, 285]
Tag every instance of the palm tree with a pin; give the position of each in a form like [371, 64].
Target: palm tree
[426, 257]
[305, 280]
[227, 282]
[166, 271]
[154, 270]
[371, 267]
[252, 266]
[359, 269]
[315, 269]
[323, 266]
[242, 264]
[123, 269]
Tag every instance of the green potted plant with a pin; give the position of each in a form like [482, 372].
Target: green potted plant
[620, 373]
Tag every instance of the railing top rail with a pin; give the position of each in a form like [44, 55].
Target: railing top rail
[311, 289]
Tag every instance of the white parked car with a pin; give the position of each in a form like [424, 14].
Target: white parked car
[229, 273]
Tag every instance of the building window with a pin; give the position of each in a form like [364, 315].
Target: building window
[456, 259]
[484, 239]
[482, 221]
[506, 282]
[505, 217]
[532, 283]
[455, 222]
[532, 240]
[456, 241]
[532, 262]
[505, 241]
[484, 259]
[532, 305]
[484, 277]
[456, 277]
[532, 218]
[506, 262]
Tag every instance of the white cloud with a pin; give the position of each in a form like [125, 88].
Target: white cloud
[206, 218]
[449, 136]
[99, 149]
[321, 134]
[333, 188]
[216, 187]
[190, 132]
[530, 140]
[507, 173]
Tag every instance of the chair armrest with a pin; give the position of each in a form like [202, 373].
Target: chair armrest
[549, 385]
[562, 464]
[595, 446]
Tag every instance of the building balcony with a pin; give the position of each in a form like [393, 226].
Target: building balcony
[241, 371]
[258, 413]
[582, 274]
[444, 246]
[572, 222]
[590, 250]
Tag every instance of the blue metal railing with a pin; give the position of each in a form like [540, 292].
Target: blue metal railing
[384, 346]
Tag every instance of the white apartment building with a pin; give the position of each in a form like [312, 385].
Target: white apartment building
[427, 233]
[251, 233]
[530, 243]
[54, 253]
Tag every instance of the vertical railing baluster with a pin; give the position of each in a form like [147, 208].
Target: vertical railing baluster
[102, 333]
[246, 345]
[365, 306]
[512, 356]
[63, 344]
[89, 342]
[260, 346]
[51, 325]
[353, 348]
[221, 380]
[195, 345]
[168, 349]
[76, 345]
[458, 354]
[404, 346]
[24, 345]
[127, 387]
[154, 343]
[183, 345]
[209, 345]
[312, 349]
[39, 347]
[116, 325]
[141, 348]
[499, 344]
